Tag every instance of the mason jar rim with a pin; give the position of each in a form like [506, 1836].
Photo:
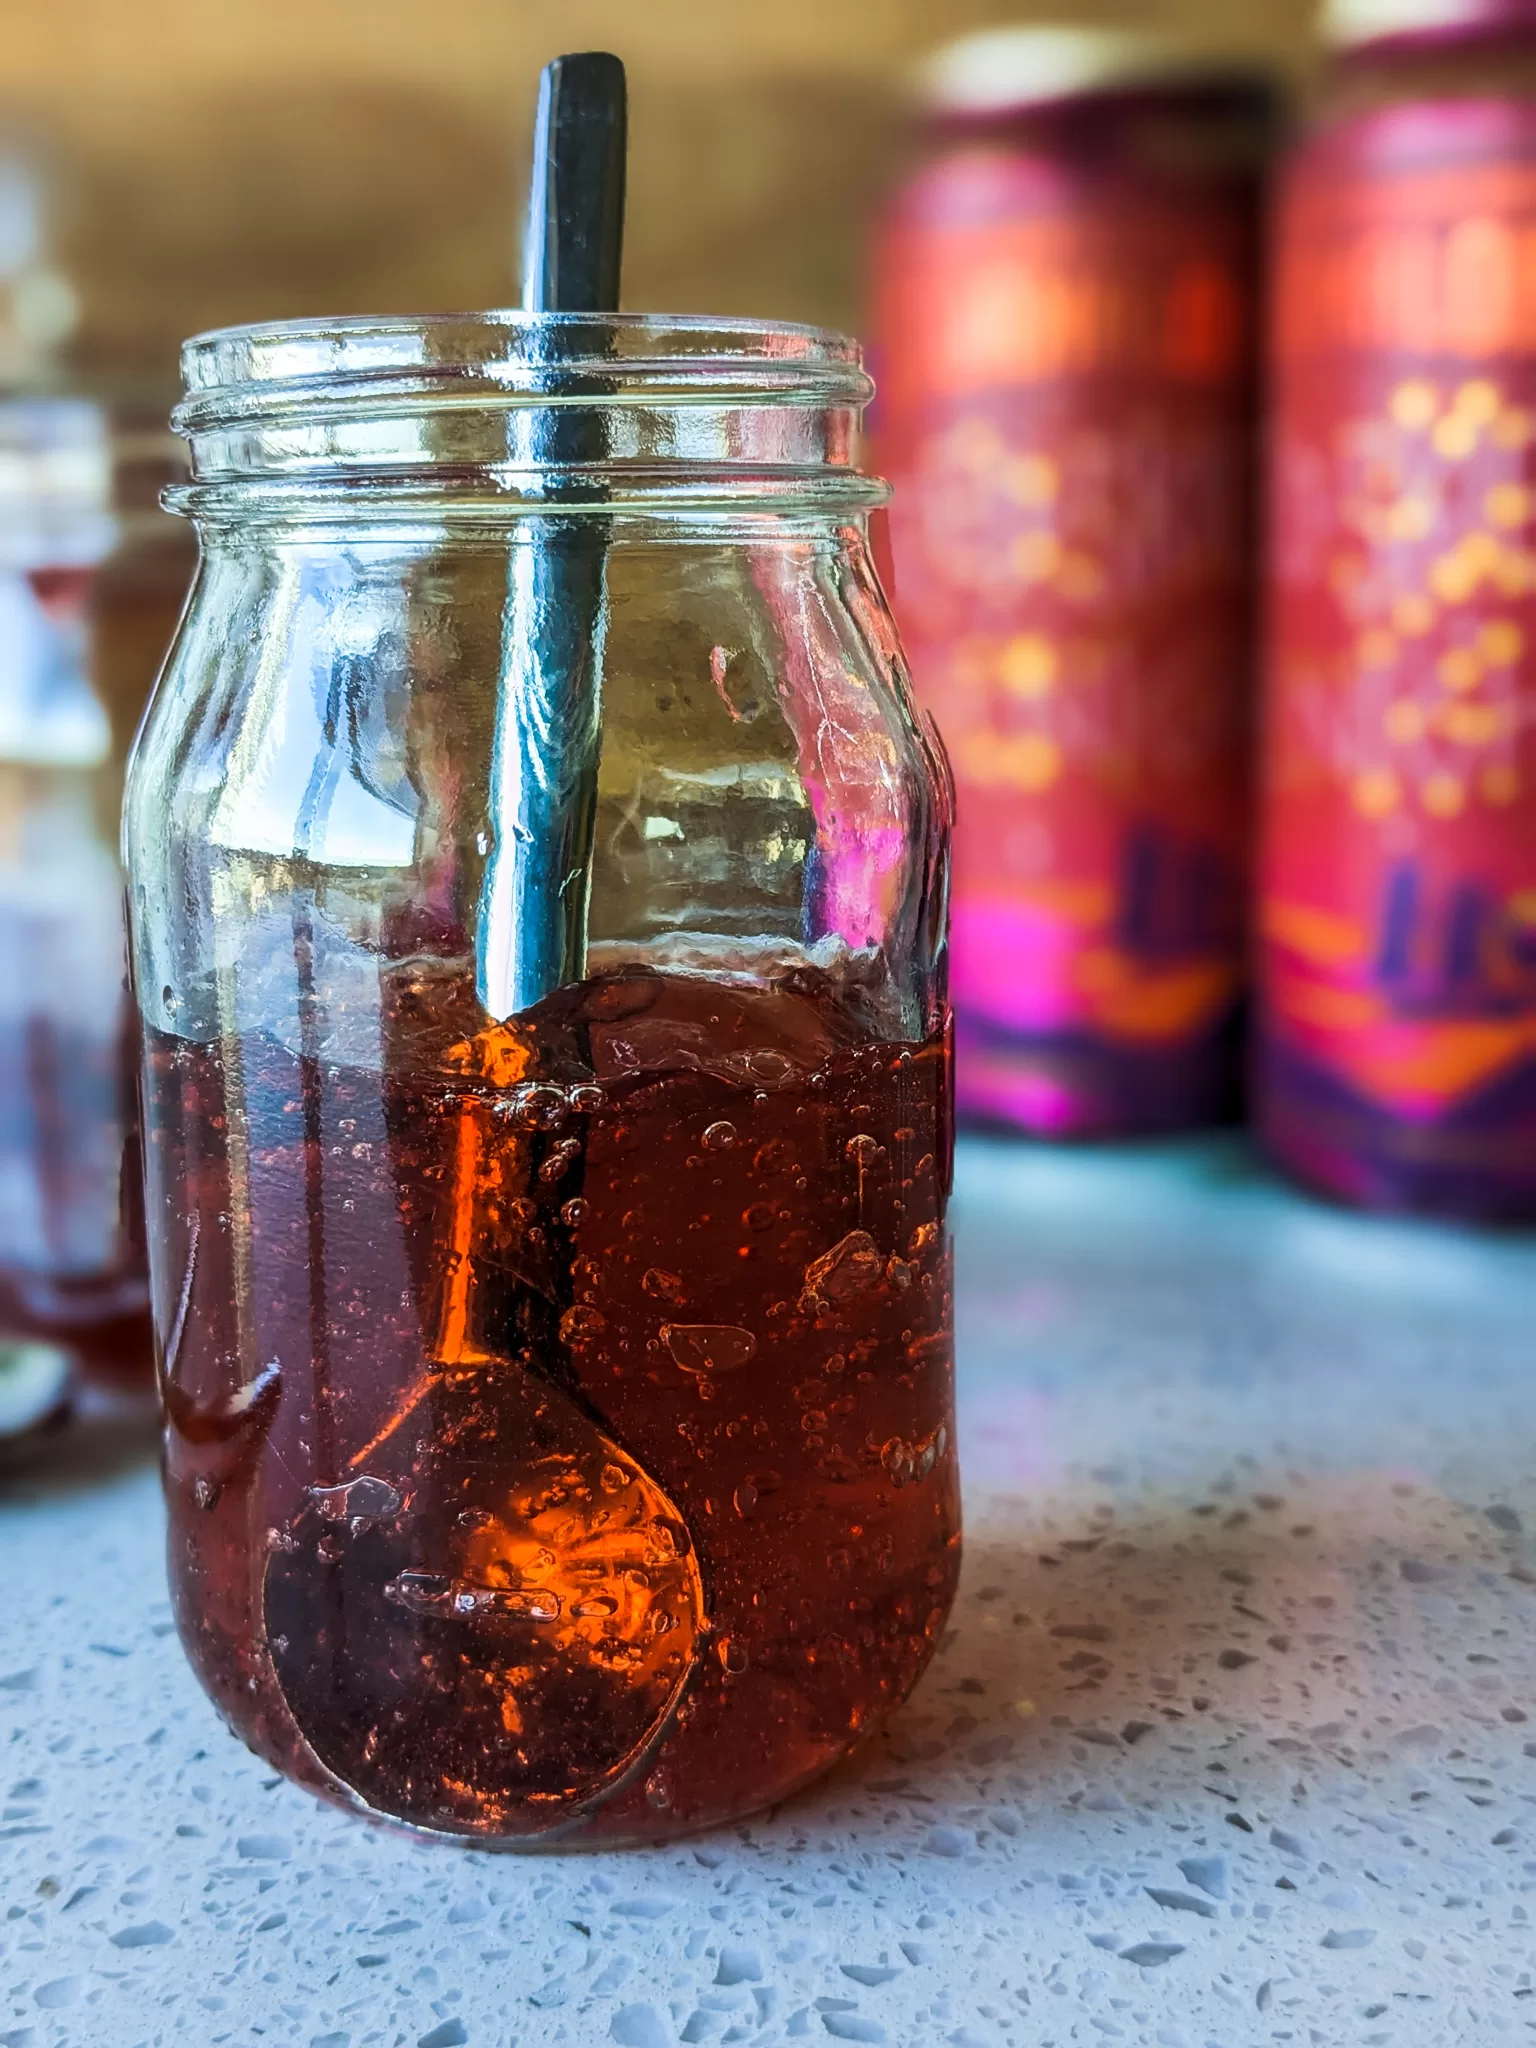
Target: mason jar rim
[488, 416]
[511, 357]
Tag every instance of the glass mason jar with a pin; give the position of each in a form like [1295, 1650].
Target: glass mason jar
[538, 904]
[1396, 1059]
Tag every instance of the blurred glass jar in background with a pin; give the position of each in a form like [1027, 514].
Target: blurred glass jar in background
[1397, 1043]
[138, 590]
[92, 577]
[73, 1291]
[39, 307]
[1065, 291]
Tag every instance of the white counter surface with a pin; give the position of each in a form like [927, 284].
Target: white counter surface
[1229, 1743]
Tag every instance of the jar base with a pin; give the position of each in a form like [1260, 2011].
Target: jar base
[556, 1843]
[583, 1833]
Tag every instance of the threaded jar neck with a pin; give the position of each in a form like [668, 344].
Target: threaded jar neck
[485, 416]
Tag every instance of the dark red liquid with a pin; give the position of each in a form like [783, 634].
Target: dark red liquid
[559, 1415]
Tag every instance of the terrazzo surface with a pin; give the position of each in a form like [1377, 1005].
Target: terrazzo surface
[1228, 1743]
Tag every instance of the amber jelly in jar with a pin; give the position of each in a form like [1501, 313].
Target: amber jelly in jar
[538, 898]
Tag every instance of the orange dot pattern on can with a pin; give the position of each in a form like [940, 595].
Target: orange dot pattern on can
[1042, 578]
[1433, 559]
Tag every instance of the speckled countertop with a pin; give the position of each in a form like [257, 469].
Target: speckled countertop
[1228, 1745]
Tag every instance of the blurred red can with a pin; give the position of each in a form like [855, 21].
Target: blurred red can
[1065, 296]
[1397, 1050]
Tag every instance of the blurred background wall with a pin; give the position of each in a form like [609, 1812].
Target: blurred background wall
[223, 160]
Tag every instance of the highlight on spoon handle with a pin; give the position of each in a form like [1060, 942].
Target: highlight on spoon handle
[574, 248]
[532, 935]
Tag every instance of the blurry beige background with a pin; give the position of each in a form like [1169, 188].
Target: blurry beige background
[225, 160]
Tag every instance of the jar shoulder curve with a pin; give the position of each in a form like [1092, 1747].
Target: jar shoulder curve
[199, 684]
[873, 612]
[164, 708]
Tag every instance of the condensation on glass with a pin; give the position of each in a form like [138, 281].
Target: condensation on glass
[538, 898]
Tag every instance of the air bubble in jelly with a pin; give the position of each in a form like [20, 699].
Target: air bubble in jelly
[364, 1498]
[709, 1347]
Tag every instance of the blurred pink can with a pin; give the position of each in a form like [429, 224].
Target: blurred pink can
[1066, 320]
[1397, 1042]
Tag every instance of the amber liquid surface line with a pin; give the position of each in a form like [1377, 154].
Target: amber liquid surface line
[559, 1414]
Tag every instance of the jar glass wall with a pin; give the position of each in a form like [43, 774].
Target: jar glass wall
[538, 900]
